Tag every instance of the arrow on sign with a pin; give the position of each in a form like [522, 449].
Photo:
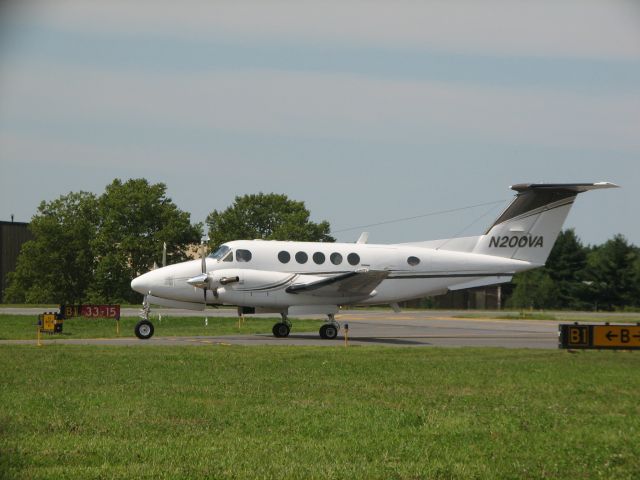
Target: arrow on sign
[610, 336]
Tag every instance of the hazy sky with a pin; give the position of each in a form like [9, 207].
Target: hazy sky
[366, 111]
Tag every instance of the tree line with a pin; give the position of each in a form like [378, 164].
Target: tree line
[579, 277]
[88, 248]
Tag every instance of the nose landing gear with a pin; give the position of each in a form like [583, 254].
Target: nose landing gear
[144, 328]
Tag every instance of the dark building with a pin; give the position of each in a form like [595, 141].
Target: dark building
[481, 298]
[12, 236]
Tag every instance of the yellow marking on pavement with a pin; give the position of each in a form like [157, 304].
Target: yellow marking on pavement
[523, 335]
[455, 319]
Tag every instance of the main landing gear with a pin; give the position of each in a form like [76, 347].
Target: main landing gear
[329, 331]
[282, 329]
[144, 328]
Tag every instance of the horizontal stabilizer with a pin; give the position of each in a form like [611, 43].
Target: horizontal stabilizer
[571, 187]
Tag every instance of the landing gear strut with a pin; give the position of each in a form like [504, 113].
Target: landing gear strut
[329, 330]
[144, 328]
[282, 329]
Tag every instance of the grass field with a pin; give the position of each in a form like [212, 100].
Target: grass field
[290, 412]
[18, 327]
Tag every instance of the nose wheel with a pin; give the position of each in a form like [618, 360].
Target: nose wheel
[144, 328]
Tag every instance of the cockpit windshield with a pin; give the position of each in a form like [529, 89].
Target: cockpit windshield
[220, 252]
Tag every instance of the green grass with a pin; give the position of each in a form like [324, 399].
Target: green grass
[288, 412]
[18, 327]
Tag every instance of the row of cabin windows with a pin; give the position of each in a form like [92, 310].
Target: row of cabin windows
[318, 258]
[301, 257]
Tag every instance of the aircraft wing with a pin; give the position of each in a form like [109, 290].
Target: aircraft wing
[350, 284]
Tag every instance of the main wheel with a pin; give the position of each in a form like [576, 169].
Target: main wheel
[144, 329]
[328, 331]
[281, 330]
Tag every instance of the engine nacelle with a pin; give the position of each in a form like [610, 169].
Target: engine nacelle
[246, 279]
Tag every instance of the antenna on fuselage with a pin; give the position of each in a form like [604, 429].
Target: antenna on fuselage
[364, 237]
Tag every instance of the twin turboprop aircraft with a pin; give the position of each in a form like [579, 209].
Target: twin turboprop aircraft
[295, 278]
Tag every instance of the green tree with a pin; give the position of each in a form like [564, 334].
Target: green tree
[135, 218]
[533, 289]
[566, 268]
[612, 274]
[267, 216]
[58, 264]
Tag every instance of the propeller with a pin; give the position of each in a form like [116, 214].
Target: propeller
[203, 280]
[164, 257]
[204, 274]
[164, 254]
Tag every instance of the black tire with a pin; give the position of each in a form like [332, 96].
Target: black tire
[144, 329]
[328, 331]
[281, 330]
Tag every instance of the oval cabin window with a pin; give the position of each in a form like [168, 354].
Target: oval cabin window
[284, 257]
[353, 259]
[318, 258]
[413, 261]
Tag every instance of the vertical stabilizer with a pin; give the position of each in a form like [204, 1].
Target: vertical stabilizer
[529, 226]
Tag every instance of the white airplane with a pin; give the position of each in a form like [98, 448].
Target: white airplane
[295, 278]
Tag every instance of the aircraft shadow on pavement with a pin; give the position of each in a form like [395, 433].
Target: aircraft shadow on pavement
[374, 340]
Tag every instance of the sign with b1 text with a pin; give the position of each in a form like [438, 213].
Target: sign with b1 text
[625, 337]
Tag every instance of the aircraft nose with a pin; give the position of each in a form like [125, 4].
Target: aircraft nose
[141, 284]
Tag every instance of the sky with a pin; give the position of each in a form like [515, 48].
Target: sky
[366, 111]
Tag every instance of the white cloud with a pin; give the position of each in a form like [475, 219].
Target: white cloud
[574, 28]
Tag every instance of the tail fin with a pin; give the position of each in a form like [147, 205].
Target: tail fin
[529, 226]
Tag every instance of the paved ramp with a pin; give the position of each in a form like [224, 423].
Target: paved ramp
[410, 329]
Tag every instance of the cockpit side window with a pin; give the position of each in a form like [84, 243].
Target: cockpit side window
[220, 252]
[228, 258]
[243, 255]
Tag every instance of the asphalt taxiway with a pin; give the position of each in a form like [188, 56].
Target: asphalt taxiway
[369, 327]
[405, 329]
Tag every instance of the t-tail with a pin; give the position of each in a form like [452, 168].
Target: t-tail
[530, 225]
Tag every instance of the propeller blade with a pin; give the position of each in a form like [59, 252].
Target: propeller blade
[202, 281]
[164, 254]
